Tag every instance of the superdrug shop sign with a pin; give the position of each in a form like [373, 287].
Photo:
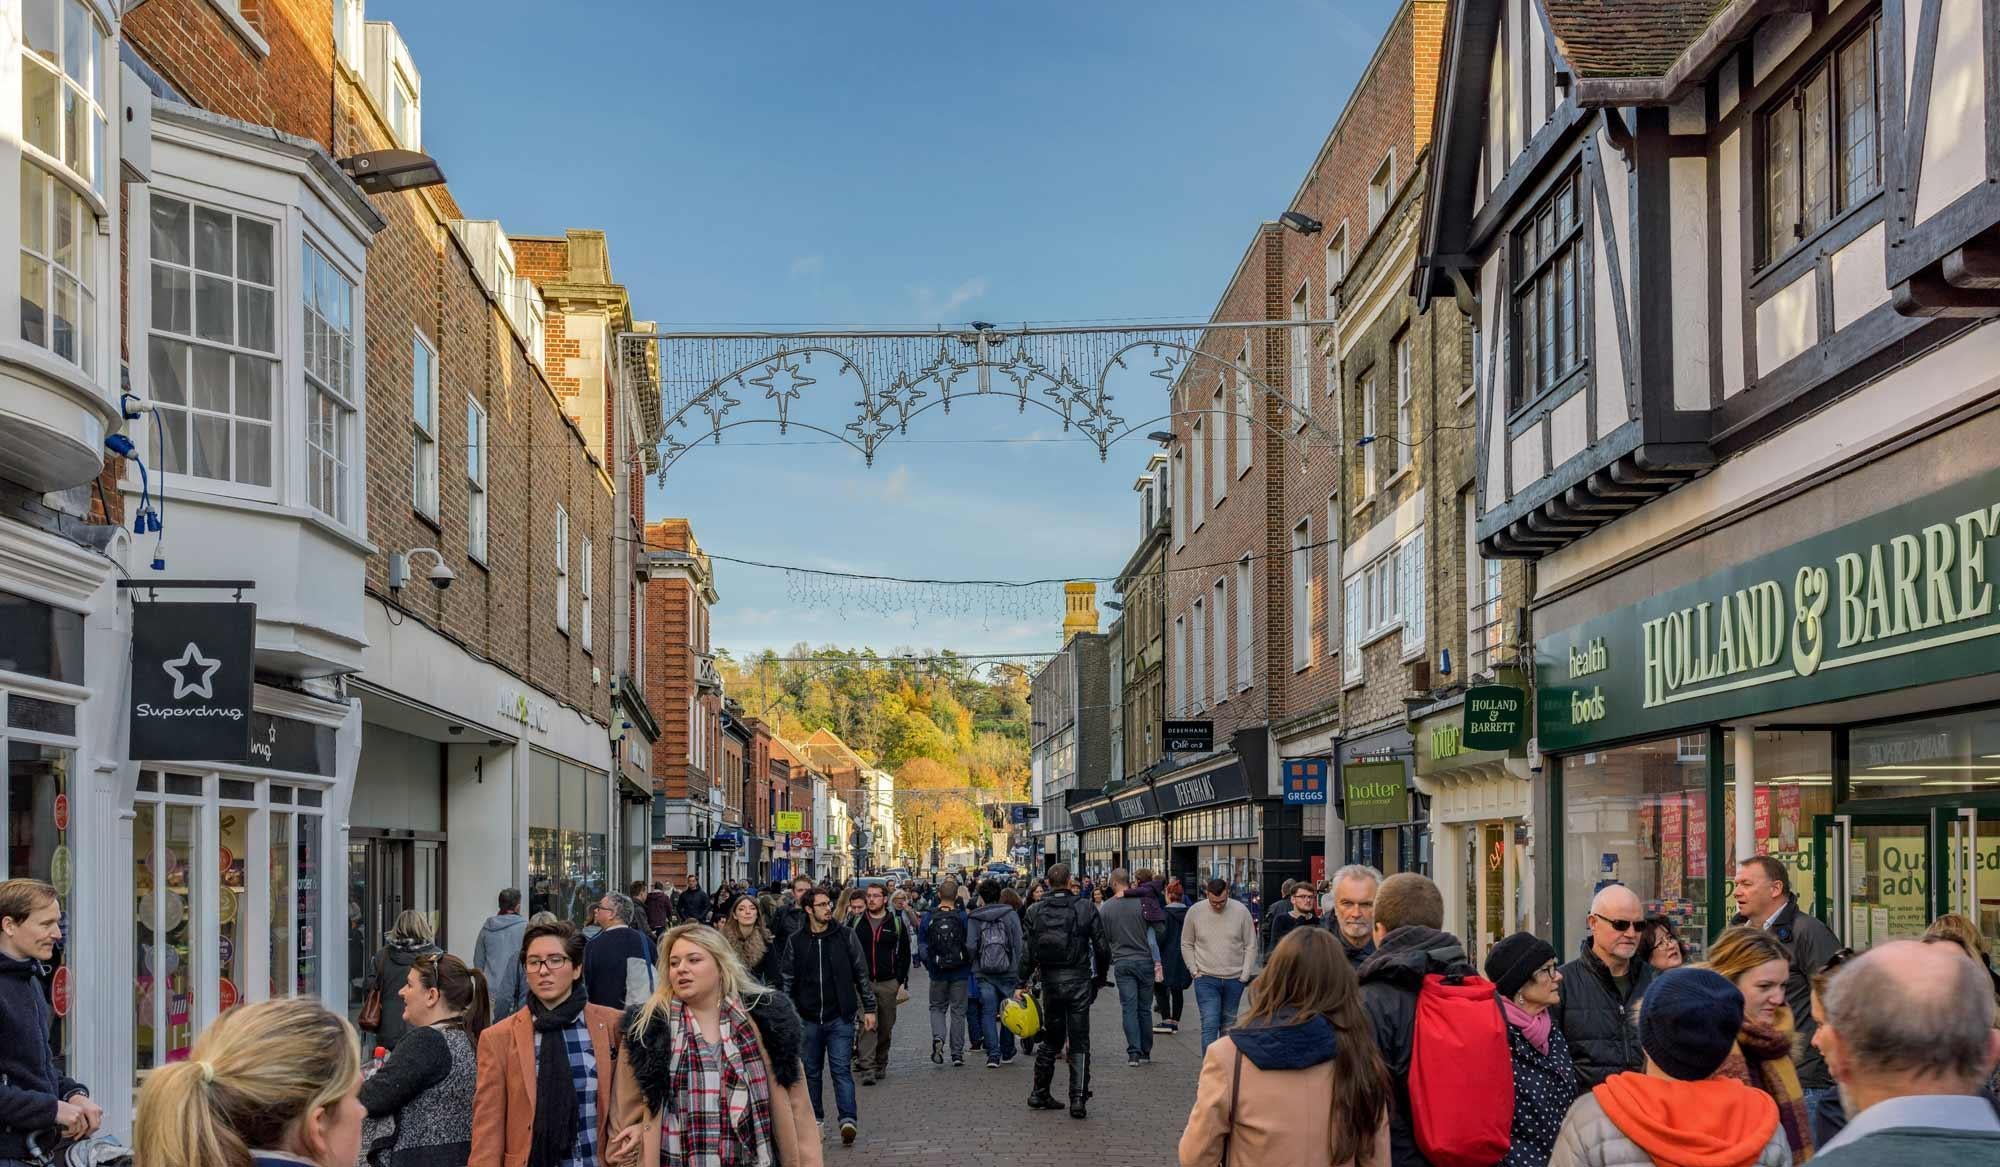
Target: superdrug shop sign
[192, 674]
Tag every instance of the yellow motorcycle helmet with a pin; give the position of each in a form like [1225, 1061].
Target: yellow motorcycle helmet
[1021, 1017]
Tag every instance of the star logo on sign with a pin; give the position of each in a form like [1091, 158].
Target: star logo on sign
[192, 662]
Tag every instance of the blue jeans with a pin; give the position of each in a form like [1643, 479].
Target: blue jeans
[1217, 998]
[1828, 1116]
[999, 1039]
[831, 1041]
[1135, 996]
[975, 1020]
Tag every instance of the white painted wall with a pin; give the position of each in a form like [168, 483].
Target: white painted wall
[1860, 284]
[1613, 231]
[1687, 209]
[1955, 142]
[1788, 323]
[487, 827]
[1729, 182]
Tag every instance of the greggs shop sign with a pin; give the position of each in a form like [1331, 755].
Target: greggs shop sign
[1904, 597]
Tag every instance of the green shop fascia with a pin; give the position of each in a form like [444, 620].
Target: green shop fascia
[1851, 659]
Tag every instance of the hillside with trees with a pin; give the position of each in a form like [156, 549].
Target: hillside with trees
[954, 732]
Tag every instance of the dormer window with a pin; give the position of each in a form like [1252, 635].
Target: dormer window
[394, 83]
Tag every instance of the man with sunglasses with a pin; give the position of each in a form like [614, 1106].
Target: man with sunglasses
[1601, 985]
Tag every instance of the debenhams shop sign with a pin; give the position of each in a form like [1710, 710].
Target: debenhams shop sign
[1901, 598]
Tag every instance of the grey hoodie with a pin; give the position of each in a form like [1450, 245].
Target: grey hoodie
[497, 953]
[1009, 922]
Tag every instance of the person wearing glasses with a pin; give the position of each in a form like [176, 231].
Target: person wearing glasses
[618, 961]
[1660, 944]
[1600, 987]
[545, 1072]
[1525, 977]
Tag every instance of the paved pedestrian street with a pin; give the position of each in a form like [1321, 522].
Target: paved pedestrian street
[938, 1116]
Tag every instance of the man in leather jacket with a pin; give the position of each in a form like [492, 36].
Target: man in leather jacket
[1067, 950]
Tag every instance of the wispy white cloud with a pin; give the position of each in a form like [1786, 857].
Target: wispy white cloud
[931, 305]
[808, 265]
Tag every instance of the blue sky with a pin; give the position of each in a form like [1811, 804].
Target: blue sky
[895, 164]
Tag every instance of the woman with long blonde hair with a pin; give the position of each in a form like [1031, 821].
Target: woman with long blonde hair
[1297, 1079]
[713, 1074]
[410, 939]
[1757, 964]
[272, 1084]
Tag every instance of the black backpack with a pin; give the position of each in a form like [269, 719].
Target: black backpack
[1056, 937]
[944, 940]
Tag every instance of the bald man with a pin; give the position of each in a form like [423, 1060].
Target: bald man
[1908, 1034]
[1600, 987]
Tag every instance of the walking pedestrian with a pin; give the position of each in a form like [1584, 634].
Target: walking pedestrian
[1764, 899]
[1353, 912]
[742, 926]
[1303, 913]
[885, 945]
[1135, 963]
[270, 1084]
[823, 971]
[544, 1071]
[1660, 944]
[1219, 945]
[975, 1007]
[1602, 984]
[497, 953]
[419, 1102]
[1907, 1032]
[1678, 1111]
[714, 1074]
[1523, 970]
[1410, 944]
[1297, 1081]
[1170, 990]
[659, 910]
[38, 1101]
[997, 950]
[410, 938]
[1064, 943]
[618, 961]
[1754, 961]
[692, 905]
[791, 915]
[944, 948]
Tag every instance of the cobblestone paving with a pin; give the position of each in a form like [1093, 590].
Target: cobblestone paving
[938, 1116]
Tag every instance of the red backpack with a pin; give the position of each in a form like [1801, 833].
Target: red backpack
[1461, 1074]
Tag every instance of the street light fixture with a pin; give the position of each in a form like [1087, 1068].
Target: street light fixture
[1303, 224]
[386, 171]
[1161, 436]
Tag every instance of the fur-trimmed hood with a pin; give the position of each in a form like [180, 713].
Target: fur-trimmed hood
[779, 1031]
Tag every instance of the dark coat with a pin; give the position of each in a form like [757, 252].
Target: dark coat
[1390, 980]
[30, 1081]
[1283, 922]
[390, 971]
[888, 959]
[1173, 965]
[1544, 1086]
[1811, 944]
[693, 905]
[825, 974]
[1597, 1021]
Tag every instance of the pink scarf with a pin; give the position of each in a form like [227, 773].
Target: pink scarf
[1533, 1026]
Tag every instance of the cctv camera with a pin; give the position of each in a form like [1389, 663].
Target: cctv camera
[441, 576]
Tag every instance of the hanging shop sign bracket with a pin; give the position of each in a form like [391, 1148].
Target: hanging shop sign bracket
[151, 586]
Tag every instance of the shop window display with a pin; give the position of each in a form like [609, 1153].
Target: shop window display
[1146, 846]
[569, 827]
[38, 835]
[1638, 815]
[1794, 785]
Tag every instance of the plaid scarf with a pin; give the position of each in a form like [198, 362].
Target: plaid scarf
[1763, 1058]
[718, 1109]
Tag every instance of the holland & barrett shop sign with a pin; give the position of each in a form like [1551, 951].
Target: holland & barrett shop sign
[1904, 597]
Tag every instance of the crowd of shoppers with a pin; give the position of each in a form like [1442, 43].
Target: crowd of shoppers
[1627, 1056]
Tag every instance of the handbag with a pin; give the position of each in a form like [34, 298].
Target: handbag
[94, 1151]
[1235, 1083]
[370, 1019]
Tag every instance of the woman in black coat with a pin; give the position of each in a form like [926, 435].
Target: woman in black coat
[1527, 980]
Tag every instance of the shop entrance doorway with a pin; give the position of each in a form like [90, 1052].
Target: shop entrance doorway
[386, 876]
[1886, 868]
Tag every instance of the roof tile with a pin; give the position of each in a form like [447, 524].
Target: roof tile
[1627, 38]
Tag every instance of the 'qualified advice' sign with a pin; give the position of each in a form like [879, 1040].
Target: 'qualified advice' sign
[192, 673]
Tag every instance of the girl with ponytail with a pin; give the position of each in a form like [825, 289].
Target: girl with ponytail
[268, 1085]
[420, 1102]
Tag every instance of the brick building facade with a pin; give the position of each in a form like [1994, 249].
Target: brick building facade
[684, 689]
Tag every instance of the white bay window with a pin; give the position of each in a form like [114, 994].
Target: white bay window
[330, 380]
[211, 339]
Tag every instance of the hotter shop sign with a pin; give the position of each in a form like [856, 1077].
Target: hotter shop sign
[1901, 598]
